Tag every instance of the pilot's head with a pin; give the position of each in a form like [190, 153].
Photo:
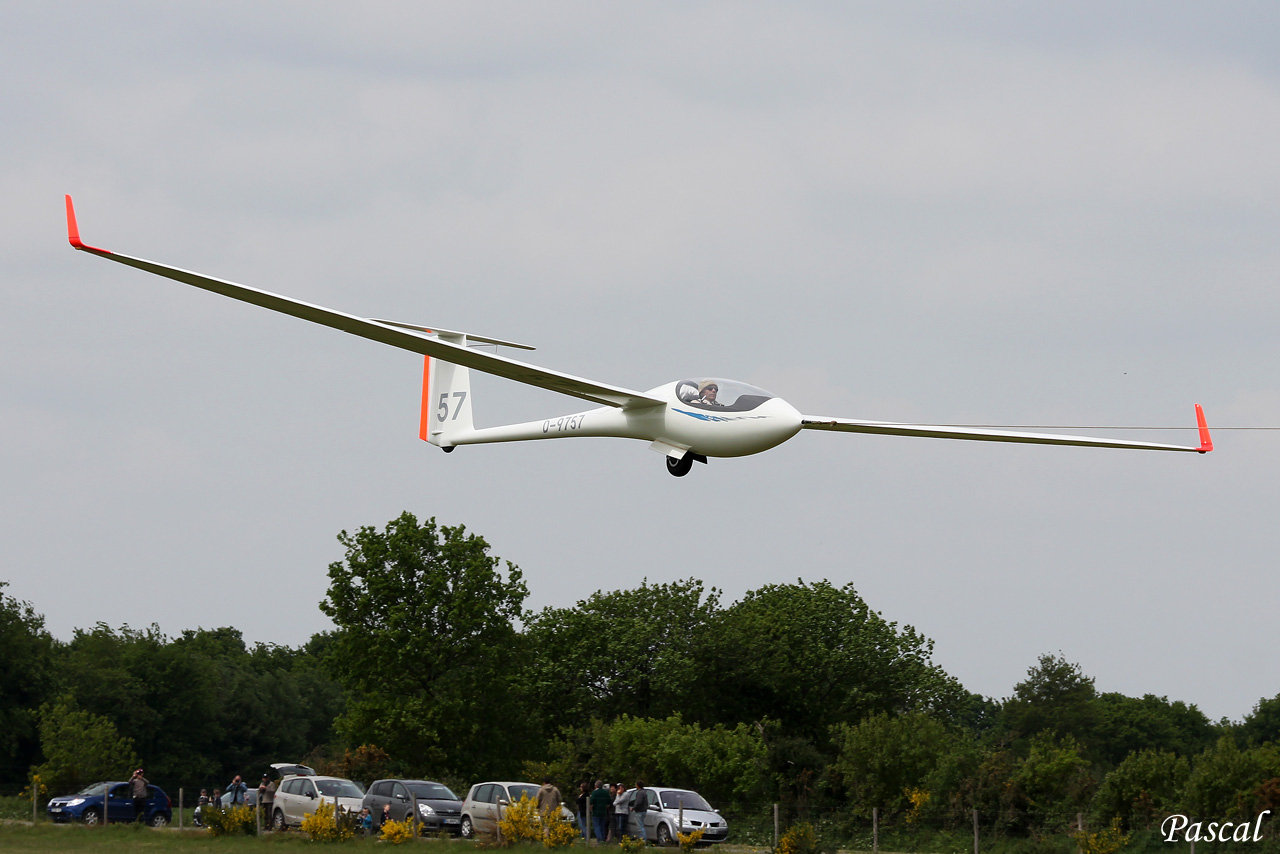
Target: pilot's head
[708, 389]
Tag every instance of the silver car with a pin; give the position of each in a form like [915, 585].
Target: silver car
[484, 802]
[298, 796]
[667, 808]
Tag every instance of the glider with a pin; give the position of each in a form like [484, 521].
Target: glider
[688, 420]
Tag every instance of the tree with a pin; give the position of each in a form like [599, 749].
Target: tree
[1262, 725]
[26, 681]
[1125, 725]
[1056, 698]
[884, 757]
[634, 651]
[813, 655]
[426, 648]
[1142, 789]
[81, 748]
[1056, 781]
[1225, 781]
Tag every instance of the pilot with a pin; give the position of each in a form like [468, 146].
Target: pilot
[707, 391]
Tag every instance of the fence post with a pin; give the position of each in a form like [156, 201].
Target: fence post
[775, 826]
[106, 796]
[875, 830]
[417, 831]
[680, 822]
[180, 791]
[588, 832]
[975, 832]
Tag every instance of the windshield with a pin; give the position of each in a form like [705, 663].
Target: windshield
[94, 788]
[720, 395]
[672, 800]
[520, 790]
[434, 791]
[339, 789]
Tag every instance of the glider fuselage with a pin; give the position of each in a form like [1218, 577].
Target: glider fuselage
[745, 420]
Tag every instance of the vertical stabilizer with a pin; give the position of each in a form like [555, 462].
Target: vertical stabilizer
[446, 398]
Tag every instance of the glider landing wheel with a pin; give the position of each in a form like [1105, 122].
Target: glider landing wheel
[680, 467]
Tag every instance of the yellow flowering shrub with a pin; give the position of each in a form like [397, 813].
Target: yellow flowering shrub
[799, 839]
[520, 822]
[689, 841]
[397, 832]
[321, 826]
[558, 832]
[228, 821]
[918, 798]
[1107, 841]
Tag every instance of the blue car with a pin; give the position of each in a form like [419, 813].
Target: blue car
[86, 805]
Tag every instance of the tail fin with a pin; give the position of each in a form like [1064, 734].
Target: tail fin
[446, 398]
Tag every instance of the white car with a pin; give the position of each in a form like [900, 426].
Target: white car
[666, 809]
[298, 796]
[481, 807]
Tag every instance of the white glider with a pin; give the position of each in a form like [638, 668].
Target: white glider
[686, 420]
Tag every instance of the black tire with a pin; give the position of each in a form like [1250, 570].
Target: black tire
[91, 816]
[664, 835]
[159, 819]
[278, 822]
[466, 829]
[680, 467]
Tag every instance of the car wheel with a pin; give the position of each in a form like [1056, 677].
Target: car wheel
[159, 820]
[91, 817]
[277, 821]
[468, 832]
[664, 835]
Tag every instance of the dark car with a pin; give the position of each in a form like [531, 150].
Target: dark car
[438, 808]
[86, 805]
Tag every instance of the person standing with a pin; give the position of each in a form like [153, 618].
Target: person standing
[237, 791]
[266, 798]
[600, 803]
[639, 807]
[583, 796]
[548, 797]
[620, 810]
[138, 791]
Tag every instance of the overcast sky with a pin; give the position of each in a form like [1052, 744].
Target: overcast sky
[978, 213]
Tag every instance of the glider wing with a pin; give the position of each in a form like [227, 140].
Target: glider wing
[414, 339]
[942, 431]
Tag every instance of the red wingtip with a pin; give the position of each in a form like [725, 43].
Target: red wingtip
[1206, 443]
[73, 230]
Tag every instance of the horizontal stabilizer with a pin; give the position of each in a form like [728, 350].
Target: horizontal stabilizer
[471, 339]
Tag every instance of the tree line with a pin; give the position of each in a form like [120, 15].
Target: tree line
[799, 693]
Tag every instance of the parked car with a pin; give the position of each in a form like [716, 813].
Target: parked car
[250, 798]
[86, 805]
[438, 808]
[663, 815]
[480, 809]
[296, 796]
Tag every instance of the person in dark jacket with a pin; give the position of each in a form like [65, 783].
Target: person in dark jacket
[640, 806]
[601, 803]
